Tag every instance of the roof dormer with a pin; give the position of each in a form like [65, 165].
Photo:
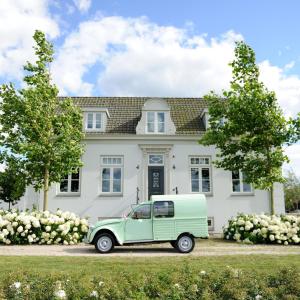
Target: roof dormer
[95, 119]
[156, 118]
[205, 118]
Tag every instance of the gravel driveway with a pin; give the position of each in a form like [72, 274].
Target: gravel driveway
[211, 247]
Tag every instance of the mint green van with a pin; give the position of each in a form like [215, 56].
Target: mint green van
[177, 219]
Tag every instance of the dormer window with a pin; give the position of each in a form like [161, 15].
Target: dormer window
[155, 122]
[93, 121]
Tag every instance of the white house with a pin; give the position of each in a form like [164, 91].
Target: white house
[136, 147]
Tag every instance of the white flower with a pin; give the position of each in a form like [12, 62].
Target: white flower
[177, 285]
[101, 283]
[28, 226]
[16, 285]
[258, 297]
[60, 294]
[66, 243]
[48, 228]
[7, 242]
[272, 237]
[203, 272]
[20, 229]
[94, 294]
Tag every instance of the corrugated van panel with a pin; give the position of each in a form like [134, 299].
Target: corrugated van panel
[195, 226]
[164, 229]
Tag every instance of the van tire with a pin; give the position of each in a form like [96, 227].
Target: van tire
[104, 243]
[185, 243]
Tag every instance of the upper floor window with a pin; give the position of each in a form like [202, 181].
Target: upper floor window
[70, 183]
[200, 174]
[238, 183]
[111, 174]
[155, 122]
[93, 121]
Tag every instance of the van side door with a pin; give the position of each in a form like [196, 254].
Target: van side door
[164, 221]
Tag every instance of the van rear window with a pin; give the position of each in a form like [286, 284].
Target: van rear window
[163, 209]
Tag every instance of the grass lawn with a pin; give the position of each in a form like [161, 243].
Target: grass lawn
[87, 267]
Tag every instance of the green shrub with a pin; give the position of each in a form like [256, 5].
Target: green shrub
[229, 284]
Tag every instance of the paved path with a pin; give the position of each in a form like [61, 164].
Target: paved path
[211, 247]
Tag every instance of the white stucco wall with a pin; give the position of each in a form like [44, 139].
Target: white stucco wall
[222, 203]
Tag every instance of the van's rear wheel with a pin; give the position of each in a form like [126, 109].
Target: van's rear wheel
[185, 243]
[104, 243]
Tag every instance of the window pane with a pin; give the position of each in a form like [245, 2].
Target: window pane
[163, 209]
[75, 175]
[117, 173]
[160, 117]
[161, 127]
[117, 186]
[143, 212]
[205, 186]
[235, 175]
[236, 185]
[98, 120]
[195, 173]
[90, 120]
[205, 173]
[150, 127]
[195, 185]
[63, 186]
[75, 186]
[155, 159]
[105, 186]
[246, 187]
[106, 173]
[150, 116]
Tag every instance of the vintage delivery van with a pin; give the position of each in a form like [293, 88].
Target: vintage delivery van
[178, 219]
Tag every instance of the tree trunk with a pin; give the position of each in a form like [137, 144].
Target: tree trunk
[46, 189]
[272, 199]
[9, 205]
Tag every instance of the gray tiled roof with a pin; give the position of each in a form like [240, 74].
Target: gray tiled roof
[125, 113]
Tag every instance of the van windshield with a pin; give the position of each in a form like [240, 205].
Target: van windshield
[128, 210]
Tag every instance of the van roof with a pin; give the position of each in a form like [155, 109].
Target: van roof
[177, 197]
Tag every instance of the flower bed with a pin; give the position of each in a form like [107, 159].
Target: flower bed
[263, 228]
[41, 227]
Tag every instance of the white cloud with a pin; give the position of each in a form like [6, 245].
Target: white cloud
[142, 58]
[18, 21]
[82, 5]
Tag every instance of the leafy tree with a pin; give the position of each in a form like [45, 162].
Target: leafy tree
[292, 191]
[12, 184]
[248, 127]
[41, 130]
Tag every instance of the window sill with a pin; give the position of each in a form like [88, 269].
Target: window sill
[111, 195]
[242, 194]
[210, 194]
[68, 194]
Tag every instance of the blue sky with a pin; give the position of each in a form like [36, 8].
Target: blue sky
[155, 48]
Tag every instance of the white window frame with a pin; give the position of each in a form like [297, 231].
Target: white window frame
[111, 166]
[201, 165]
[241, 191]
[94, 114]
[156, 122]
[69, 192]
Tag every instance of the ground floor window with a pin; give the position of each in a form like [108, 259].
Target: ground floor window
[238, 183]
[200, 174]
[111, 174]
[70, 183]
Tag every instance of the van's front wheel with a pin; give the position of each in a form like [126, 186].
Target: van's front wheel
[185, 243]
[104, 243]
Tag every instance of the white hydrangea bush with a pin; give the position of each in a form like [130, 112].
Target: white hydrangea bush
[263, 228]
[41, 227]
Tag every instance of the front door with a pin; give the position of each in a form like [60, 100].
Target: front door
[155, 180]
